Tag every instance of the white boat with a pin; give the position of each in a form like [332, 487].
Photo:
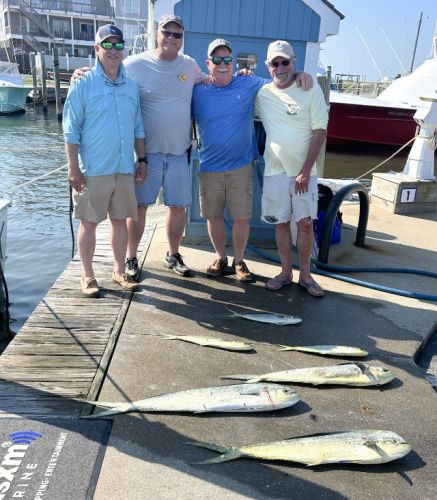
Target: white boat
[13, 93]
[388, 118]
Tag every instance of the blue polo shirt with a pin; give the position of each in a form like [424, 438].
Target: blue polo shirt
[224, 116]
[104, 118]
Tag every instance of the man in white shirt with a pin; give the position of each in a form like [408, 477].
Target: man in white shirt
[295, 122]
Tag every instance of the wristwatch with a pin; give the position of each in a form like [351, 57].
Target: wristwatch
[142, 160]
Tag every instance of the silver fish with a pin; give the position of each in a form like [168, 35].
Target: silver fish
[354, 374]
[356, 447]
[227, 398]
[270, 318]
[230, 345]
[327, 350]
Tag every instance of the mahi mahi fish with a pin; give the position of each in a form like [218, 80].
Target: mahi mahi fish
[355, 374]
[327, 350]
[356, 447]
[227, 398]
[230, 345]
[271, 318]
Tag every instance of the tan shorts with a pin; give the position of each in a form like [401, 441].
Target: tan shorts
[104, 195]
[233, 188]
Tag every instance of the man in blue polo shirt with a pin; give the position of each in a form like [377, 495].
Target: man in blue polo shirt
[102, 128]
[223, 111]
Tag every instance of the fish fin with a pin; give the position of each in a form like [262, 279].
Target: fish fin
[226, 452]
[201, 411]
[365, 370]
[375, 447]
[106, 413]
[313, 464]
[166, 336]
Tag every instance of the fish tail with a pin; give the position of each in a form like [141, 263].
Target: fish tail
[107, 413]
[285, 348]
[234, 314]
[102, 403]
[237, 377]
[227, 453]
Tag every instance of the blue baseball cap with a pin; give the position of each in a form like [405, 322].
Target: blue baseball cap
[107, 31]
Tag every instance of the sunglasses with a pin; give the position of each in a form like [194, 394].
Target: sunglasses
[110, 45]
[218, 59]
[174, 34]
[276, 64]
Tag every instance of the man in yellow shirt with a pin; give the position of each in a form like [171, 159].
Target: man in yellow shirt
[295, 122]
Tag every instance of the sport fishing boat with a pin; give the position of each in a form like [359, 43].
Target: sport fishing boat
[388, 118]
[13, 93]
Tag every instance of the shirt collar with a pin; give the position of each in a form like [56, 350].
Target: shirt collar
[121, 78]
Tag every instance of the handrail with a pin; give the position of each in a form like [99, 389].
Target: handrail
[331, 214]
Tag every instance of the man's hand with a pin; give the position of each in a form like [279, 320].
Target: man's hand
[302, 182]
[76, 179]
[244, 72]
[140, 172]
[304, 80]
[78, 73]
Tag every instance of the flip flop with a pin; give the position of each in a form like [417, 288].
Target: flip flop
[277, 283]
[313, 288]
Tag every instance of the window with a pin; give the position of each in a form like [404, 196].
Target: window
[132, 6]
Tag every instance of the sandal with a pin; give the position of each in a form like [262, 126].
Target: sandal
[277, 283]
[313, 288]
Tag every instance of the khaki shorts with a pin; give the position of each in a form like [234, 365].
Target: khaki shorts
[233, 188]
[104, 195]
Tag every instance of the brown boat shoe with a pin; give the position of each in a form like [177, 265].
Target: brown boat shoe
[217, 268]
[89, 286]
[125, 281]
[242, 271]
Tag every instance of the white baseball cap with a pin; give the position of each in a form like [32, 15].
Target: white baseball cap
[280, 48]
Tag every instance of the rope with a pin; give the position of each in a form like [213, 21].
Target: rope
[47, 174]
[387, 159]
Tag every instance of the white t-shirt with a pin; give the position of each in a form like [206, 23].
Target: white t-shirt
[166, 88]
[289, 117]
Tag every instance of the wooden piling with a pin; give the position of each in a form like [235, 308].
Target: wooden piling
[57, 82]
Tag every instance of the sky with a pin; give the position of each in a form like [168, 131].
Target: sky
[399, 19]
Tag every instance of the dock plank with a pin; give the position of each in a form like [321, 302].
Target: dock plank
[59, 357]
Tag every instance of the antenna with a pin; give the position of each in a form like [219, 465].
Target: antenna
[415, 43]
[370, 54]
[393, 50]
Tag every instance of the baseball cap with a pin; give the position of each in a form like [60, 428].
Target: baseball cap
[218, 42]
[108, 30]
[170, 18]
[280, 48]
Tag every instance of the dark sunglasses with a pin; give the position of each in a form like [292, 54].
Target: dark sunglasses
[218, 59]
[110, 45]
[276, 64]
[174, 34]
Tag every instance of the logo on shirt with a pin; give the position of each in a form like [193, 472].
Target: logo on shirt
[182, 77]
[292, 109]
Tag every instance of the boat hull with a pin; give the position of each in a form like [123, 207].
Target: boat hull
[13, 99]
[368, 123]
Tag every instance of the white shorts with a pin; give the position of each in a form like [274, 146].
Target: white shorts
[279, 200]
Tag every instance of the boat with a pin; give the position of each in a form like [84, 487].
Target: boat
[13, 93]
[388, 118]
[4, 204]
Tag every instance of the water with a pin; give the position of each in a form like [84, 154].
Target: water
[39, 240]
[38, 236]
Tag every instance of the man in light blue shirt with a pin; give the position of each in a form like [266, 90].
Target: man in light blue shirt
[102, 129]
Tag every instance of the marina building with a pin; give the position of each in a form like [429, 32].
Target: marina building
[38, 25]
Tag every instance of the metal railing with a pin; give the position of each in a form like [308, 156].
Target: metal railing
[66, 7]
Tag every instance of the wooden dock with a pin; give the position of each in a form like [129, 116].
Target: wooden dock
[61, 354]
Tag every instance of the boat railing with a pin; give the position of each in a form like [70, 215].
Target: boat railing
[331, 214]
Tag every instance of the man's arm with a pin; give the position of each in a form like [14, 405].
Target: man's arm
[141, 166]
[302, 180]
[79, 72]
[75, 176]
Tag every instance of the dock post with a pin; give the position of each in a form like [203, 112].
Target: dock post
[42, 66]
[325, 84]
[32, 62]
[57, 82]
